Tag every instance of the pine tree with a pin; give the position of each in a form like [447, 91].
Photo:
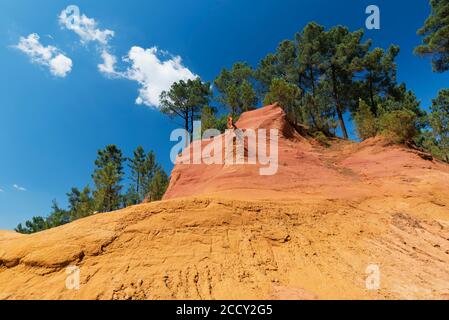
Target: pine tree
[266, 71]
[287, 61]
[439, 122]
[248, 97]
[310, 46]
[208, 118]
[281, 65]
[399, 126]
[158, 185]
[341, 54]
[365, 121]
[185, 100]
[107, 177]
[81, 203]
[131, 197]
[148, 174]
[174, 102]
[236, 89]
[402, 99]
[57, 217]
[36, 224]
[287, 95]
[137, 167]
[21, 229]
[436, 36]
[379, 72]
[200, 94]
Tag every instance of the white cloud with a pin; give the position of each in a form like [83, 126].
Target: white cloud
[17, 187]
[146, 66]
[1, 190]
[86, 28]
[153, 74]
[60, 65]
[49, 56]
[108, 65]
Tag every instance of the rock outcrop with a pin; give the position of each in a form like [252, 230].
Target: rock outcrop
[225, 232]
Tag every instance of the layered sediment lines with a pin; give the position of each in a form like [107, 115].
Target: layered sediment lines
[226, 232]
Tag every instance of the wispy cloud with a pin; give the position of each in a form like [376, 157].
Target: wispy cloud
[89, 32]
[86, 28]
[153, 69]
[1, 190]
[19, 188]
[108, 66]
[49, 56]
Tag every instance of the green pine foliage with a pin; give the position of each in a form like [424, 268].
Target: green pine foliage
[36, 224]
[143, 167]
[185, 100]
[437, 139]
[365, 121]
[379, 76]
[287, 95]
[107, 178]
[435, 34]
[399, 126]
[210, 120]
[81, 203]
[318, 77]
[321, 138]
[235, 89]
[148, 181]
[158, 185]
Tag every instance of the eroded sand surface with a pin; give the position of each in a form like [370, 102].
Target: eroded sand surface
[225, 232]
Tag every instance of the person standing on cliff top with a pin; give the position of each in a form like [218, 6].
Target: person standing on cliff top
[231, 125]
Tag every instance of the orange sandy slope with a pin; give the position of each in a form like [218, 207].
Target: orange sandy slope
[226, 232]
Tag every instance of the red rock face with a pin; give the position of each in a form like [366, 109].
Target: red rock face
[294, 152]
[342, 170]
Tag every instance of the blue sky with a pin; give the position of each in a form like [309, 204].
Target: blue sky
[51, 124]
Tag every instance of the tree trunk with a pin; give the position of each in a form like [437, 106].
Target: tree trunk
[338, 105]
[191, 125]
[186, 127]
[342, 123]
[371, 93]
[312, 78]
[138, 184]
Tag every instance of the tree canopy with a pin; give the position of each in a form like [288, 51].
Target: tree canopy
[236, 89]
[148, 181]
[439, 123]
[185, 100]
[435, 34]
